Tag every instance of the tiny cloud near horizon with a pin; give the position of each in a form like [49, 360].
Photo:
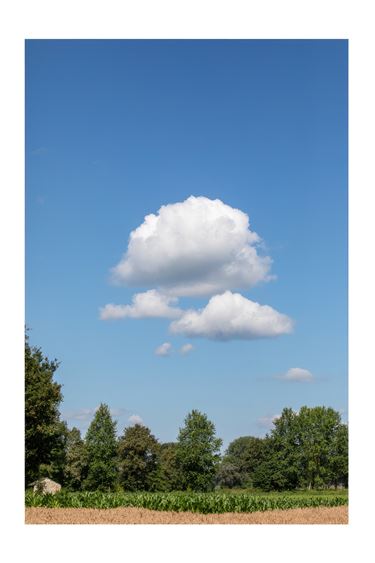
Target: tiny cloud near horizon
[197, 248]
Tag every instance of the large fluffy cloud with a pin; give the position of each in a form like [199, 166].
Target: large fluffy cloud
[196, 247]
[150, 304]
[231, 316]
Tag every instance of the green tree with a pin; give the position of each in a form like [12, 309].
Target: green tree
[198, 452]
[101, 449]
[75, 470]
[316, 433]
[228, 475]
[138, 459]
[306, 449]
[169, 474]
[245, 454]
[280, 467]
[338, 459]
[55, 468]
[43, 429]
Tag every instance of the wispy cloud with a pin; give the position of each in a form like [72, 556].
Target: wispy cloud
[39, 151]
[164, 349]
[86, 414]
[135, 419]
[266, 422]
[186, 349]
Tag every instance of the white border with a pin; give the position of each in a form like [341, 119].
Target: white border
[190, 19]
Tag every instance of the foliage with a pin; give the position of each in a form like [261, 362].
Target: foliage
[197, 453]
[75, 470]
[242, 457]
[138, 456]
[169, 478]
[101, 451]
[228, 475]
[305, 449]
[44, 434]
[338, 457]
[189, 501]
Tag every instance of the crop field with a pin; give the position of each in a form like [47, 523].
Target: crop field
[322, 515]
[202, 503]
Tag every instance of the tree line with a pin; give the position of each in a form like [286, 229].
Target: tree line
[308, 449]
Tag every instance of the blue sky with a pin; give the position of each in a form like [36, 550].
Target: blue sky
[117, 129]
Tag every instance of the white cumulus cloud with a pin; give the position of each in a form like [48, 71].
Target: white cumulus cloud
[297, 374]
[135, 419]
[186, 348]
[231, 316]
[150, 304]
[196, 247]
[164, 349]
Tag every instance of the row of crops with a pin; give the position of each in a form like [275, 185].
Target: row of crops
[205, 503]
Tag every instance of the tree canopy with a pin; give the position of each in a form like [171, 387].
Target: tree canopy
[138, 453]
[304, 449]
[101, 451]
[197, 452]
[44, 434]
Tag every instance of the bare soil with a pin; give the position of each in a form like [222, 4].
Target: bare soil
[323, 515]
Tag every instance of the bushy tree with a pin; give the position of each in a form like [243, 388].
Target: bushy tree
[306, 449]
[138, 459]
[75, 470]
[44, 433]
[244, 454]
[316, 433]
[197, 452]
[101, 450]
[228, 475]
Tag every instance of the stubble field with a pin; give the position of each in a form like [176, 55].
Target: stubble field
[131, 515]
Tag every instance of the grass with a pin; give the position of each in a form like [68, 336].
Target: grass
[206, 503]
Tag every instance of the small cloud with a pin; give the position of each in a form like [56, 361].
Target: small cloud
[150, 304]
[87, 414]
[135, 419]
[267, 421]
[80, 414]
[186, 348]
[164, 349]
[297, 374]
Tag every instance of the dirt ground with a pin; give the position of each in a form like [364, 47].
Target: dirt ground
[324, 515]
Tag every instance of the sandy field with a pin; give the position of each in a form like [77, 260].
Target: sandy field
[324, 515]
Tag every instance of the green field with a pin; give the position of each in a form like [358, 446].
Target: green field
[206, 503]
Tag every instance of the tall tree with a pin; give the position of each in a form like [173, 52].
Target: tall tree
[101, 448]
[43, 430]
[198, 452]
[138, 459]
[316, 431]
[75, 470]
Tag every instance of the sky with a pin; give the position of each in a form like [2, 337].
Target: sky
[186, 228]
